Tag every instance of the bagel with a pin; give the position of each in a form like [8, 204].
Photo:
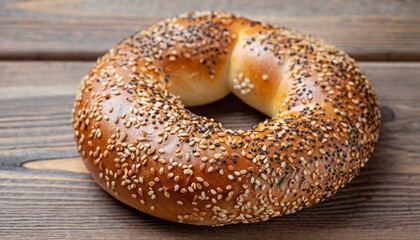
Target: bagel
[147, 150]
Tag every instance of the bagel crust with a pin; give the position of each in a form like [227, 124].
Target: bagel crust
[146, 149]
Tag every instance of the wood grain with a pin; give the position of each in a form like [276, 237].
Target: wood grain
[63, 164]
[46, 194]
[84, 29]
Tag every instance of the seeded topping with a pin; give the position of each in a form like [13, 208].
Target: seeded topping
[243, 84]
[144, 147]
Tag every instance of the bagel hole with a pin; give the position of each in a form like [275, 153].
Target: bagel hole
[231, 112]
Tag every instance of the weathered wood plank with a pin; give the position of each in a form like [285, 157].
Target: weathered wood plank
[45, 192]
[83, 29]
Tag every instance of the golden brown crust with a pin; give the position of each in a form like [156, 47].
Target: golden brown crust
[144, 148]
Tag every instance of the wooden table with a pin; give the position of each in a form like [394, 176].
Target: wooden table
[47, 46]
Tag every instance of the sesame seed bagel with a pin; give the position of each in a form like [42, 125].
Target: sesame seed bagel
[147, 150]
